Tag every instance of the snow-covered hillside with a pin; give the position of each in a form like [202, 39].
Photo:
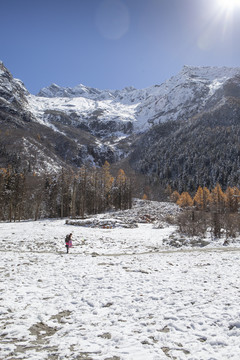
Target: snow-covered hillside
[120, 294]
[84, 125]
[182, 96]
[82, 109]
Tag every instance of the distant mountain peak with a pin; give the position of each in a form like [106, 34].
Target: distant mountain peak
[55, 90]
[92, 125]
[210, 72]
[192, 90]
[4, 70]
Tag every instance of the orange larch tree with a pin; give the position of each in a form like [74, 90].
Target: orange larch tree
[185, 200]
[198, 198]
[218, 198]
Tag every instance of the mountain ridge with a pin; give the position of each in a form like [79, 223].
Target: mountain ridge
[87, 126]
[181, 96]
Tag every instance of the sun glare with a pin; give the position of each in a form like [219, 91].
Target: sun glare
[229, 4]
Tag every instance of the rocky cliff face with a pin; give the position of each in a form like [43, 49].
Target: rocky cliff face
[42, 137]
[13, 99]
[82, 125]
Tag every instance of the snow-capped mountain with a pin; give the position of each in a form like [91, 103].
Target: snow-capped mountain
[82, 125]
[181, 97]
[191, 91]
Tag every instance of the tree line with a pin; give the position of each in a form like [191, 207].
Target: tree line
[214, 210]
[27, 195]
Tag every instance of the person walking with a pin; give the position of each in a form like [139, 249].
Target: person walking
[68, 241]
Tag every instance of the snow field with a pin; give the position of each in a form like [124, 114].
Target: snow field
[127, 303]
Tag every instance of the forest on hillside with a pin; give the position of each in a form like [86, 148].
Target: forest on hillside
[203, 151]
[27, 195]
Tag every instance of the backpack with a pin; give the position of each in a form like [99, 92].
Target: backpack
[67, 238]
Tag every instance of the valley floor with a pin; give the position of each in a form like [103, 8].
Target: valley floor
[119, 294]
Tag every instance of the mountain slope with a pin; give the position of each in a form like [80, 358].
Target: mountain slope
[184, 132]
[200, 152]
[30, 141]
[193, 90]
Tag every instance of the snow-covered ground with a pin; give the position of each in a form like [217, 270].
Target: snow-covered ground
[120, 294]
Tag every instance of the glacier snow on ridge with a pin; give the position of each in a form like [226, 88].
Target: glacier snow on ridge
[180, 97]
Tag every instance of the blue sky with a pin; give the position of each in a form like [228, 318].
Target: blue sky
[110, 44]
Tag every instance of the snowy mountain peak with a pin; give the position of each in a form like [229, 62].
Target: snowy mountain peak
[209, 72]
[80, 90]
[181, 97]
[4, 70]
[129, 88]
[11, 88]
[91, 125]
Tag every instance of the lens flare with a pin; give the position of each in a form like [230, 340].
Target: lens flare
[112, 19]
[219, 31]
[229, 4]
